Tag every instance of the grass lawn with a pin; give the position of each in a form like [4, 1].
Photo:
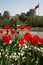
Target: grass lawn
[37, 28]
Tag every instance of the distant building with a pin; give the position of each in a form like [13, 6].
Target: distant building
[31, 12]
[28, 13]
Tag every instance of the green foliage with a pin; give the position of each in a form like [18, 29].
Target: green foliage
[6, 14]
[25, 54]
[20, 19]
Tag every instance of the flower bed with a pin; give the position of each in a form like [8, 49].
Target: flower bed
[26, 51]
[21, 51]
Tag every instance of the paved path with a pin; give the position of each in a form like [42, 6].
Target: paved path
[21, 33]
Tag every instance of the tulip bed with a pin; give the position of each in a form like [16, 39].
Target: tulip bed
[26, 51]
[21, 51]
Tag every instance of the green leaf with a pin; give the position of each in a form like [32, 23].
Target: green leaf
[28, 60]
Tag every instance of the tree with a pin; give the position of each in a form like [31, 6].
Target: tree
[0, 15]
[6, 14]
[22, 17]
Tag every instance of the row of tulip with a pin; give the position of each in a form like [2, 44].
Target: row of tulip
[12, 30]
[27, 38]
[20, 27]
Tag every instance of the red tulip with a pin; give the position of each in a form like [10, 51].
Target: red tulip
[41, 40]
[7, 27]
[13, 32]
[36, 39]
[1, 31]
[21, 42]
[21, 27]
[28, 27]
[6, 38]
[27, 37]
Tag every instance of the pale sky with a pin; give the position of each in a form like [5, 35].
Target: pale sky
[20, 6]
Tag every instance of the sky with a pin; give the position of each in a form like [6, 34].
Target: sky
[20, 6]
